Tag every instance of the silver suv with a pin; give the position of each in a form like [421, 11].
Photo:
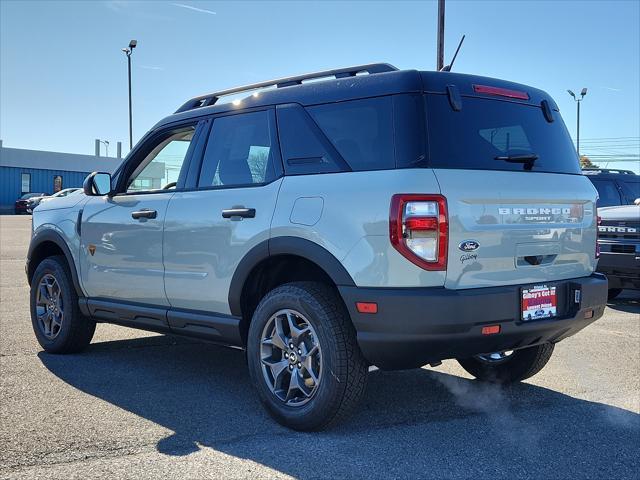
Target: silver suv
[376, 217]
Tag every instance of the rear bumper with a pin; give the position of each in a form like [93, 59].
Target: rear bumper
[416, 326]
[622, 269]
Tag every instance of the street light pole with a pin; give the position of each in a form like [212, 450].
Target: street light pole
[106, 147]
[128, 51]
[578, 101]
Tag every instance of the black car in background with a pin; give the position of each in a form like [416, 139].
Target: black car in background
[615, 187]
[22, 203]
[619, 242]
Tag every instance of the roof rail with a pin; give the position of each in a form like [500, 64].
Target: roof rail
[593, 170]
[212, 98]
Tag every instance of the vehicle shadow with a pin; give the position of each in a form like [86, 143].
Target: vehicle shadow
[628, 301]
[416, 423]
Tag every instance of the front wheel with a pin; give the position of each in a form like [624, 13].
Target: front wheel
[303, 357]
[509, 366]
[57, 322]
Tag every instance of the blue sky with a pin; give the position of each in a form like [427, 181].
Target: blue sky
[63, 75]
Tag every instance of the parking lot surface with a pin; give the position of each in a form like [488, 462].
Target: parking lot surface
[142, 405]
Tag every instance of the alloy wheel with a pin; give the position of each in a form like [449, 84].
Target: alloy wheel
[495, 357]
[49, 306]
[291, 357]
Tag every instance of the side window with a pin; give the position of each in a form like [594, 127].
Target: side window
[361, 131]
[630, 189]
[305, 149]
[241, 151]
[161, 168]
[608, 193]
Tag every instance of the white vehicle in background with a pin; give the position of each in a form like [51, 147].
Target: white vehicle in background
[34, 202]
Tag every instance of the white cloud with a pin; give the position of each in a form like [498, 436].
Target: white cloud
[611, 89]
[195, 9]
[116, 5]
[151, 67]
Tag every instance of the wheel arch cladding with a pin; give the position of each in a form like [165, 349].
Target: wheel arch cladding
[310, 260]
[48, 243]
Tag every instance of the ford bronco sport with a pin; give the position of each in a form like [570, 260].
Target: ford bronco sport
[376, 217]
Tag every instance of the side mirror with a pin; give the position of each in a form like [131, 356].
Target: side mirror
[97, 184]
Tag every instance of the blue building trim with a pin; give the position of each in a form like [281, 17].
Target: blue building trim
[41, 181]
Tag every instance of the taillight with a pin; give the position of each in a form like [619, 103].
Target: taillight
[418, 229]
[599, 221]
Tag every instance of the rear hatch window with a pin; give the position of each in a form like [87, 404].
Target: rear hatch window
[488, 134]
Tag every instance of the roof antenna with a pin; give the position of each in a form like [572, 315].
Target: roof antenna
[448, 67]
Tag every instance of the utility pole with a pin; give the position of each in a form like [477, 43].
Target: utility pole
[440, 55]
[128, 51]
[578, 101]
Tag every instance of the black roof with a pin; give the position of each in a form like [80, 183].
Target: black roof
[348, 84]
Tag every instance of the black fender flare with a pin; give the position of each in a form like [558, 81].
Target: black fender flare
[50, 235]
[284, 246]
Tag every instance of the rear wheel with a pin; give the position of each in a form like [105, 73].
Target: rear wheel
[303, 357]
[613, 293]
[508, 366]
[57, 322]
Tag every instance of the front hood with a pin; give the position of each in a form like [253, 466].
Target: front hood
[57, 203]
[629, 213]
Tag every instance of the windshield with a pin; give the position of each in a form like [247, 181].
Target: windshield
[495, 134]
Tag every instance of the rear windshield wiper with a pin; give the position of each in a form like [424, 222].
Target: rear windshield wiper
[525, 158]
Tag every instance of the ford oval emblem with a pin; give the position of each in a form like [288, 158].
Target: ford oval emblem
[468, 245]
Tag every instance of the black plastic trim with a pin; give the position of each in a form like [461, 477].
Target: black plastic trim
[416, 326]
[192, 323]
[284, 246]
[54, 237]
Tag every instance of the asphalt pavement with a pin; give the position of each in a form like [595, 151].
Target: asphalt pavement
[142, 405]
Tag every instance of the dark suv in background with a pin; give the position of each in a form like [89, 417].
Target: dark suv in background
[619, 227]
[615, 187]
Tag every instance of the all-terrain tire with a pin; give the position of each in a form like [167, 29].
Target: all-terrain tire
[75, 330]
[518, 366]
[344, 370]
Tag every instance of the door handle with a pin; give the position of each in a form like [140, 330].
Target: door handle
[239, 212]
[144, 213]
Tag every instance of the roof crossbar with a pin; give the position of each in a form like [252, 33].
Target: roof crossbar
[212, 98]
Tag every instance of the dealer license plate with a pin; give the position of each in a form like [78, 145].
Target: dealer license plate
[538, 302]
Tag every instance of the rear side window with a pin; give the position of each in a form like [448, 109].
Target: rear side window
[241, 151]
[305, 149]
[484, 129]
[360, 130]
[607, 192]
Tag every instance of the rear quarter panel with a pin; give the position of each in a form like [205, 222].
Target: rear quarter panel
[353, 224]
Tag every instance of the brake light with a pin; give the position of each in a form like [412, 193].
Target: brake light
[501, 92]
[418, 229]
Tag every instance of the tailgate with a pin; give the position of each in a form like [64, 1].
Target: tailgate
[509, 228]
